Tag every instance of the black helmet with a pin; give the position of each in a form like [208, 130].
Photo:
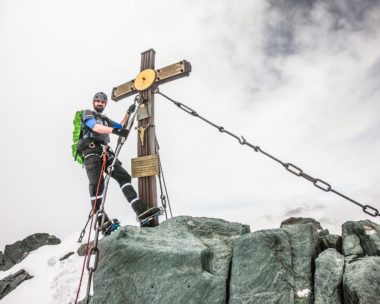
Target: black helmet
[100, 96]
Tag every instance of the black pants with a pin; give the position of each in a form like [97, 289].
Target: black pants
[93, 163]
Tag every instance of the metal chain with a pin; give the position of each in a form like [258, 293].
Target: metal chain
[83, 232]
[317, 182]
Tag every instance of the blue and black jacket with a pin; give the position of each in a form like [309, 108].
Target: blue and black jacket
[89, 119]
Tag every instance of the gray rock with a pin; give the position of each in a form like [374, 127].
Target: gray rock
[304, 240]
[361, 281]
[324, 232]
[368, 234]
[328, 277]
[274, 266]
[351, 245]
[260, 267]
[81, 251]
[38, 240]
[184, 260]
[10, 282]
[330, 241]
[6, 264]
[18, 251]
[301, 220]
[2, 258]
[66, 256]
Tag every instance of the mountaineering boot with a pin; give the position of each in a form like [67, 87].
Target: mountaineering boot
[105, 228]
[113, 227]
[148, 213]
[110, 227]
[138, 206]
[148, 216]
[142, 212]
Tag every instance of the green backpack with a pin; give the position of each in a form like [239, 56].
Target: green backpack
[77, 134]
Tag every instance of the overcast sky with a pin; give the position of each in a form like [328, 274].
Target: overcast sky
[300, 79]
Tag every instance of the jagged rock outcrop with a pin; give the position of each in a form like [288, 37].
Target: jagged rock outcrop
[203, 260]
[327, 240]
[329, 268]
[361, 280]
[274, 266]
[352, 246]
[184, 260]
[300, 221]
[361, 248]
[19, 250]
[12, 281]
[361, 237]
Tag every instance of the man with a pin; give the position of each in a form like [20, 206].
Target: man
[96, 129]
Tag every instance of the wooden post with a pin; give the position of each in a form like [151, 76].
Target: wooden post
[148, 185]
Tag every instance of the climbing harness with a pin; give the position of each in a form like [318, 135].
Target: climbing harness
[317, 182]
[100, 213]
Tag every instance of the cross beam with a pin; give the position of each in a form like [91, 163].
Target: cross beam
[146, 143]
[166, 74]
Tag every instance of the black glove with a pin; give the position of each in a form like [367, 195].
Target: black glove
[121, 132]
[131, 108]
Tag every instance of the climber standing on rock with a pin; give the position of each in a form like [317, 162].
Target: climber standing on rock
[96, 128]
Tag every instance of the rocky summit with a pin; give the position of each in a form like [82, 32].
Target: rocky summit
[205, 260]
[188, 260]
[184, 260]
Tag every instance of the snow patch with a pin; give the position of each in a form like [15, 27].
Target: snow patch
[54, 281]
[303, 293]
[51, 262]
[368, 230]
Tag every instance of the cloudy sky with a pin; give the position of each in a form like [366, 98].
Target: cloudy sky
[300, 79]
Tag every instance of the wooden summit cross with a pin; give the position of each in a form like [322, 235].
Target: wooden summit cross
[145, 167]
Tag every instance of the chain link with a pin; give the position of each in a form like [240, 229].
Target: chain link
[90, 274]
[95, 266]
[317, 182]
[83, 232]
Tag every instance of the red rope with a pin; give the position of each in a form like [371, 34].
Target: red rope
[92, 219]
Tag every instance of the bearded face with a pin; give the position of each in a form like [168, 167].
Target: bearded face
[99, 105]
